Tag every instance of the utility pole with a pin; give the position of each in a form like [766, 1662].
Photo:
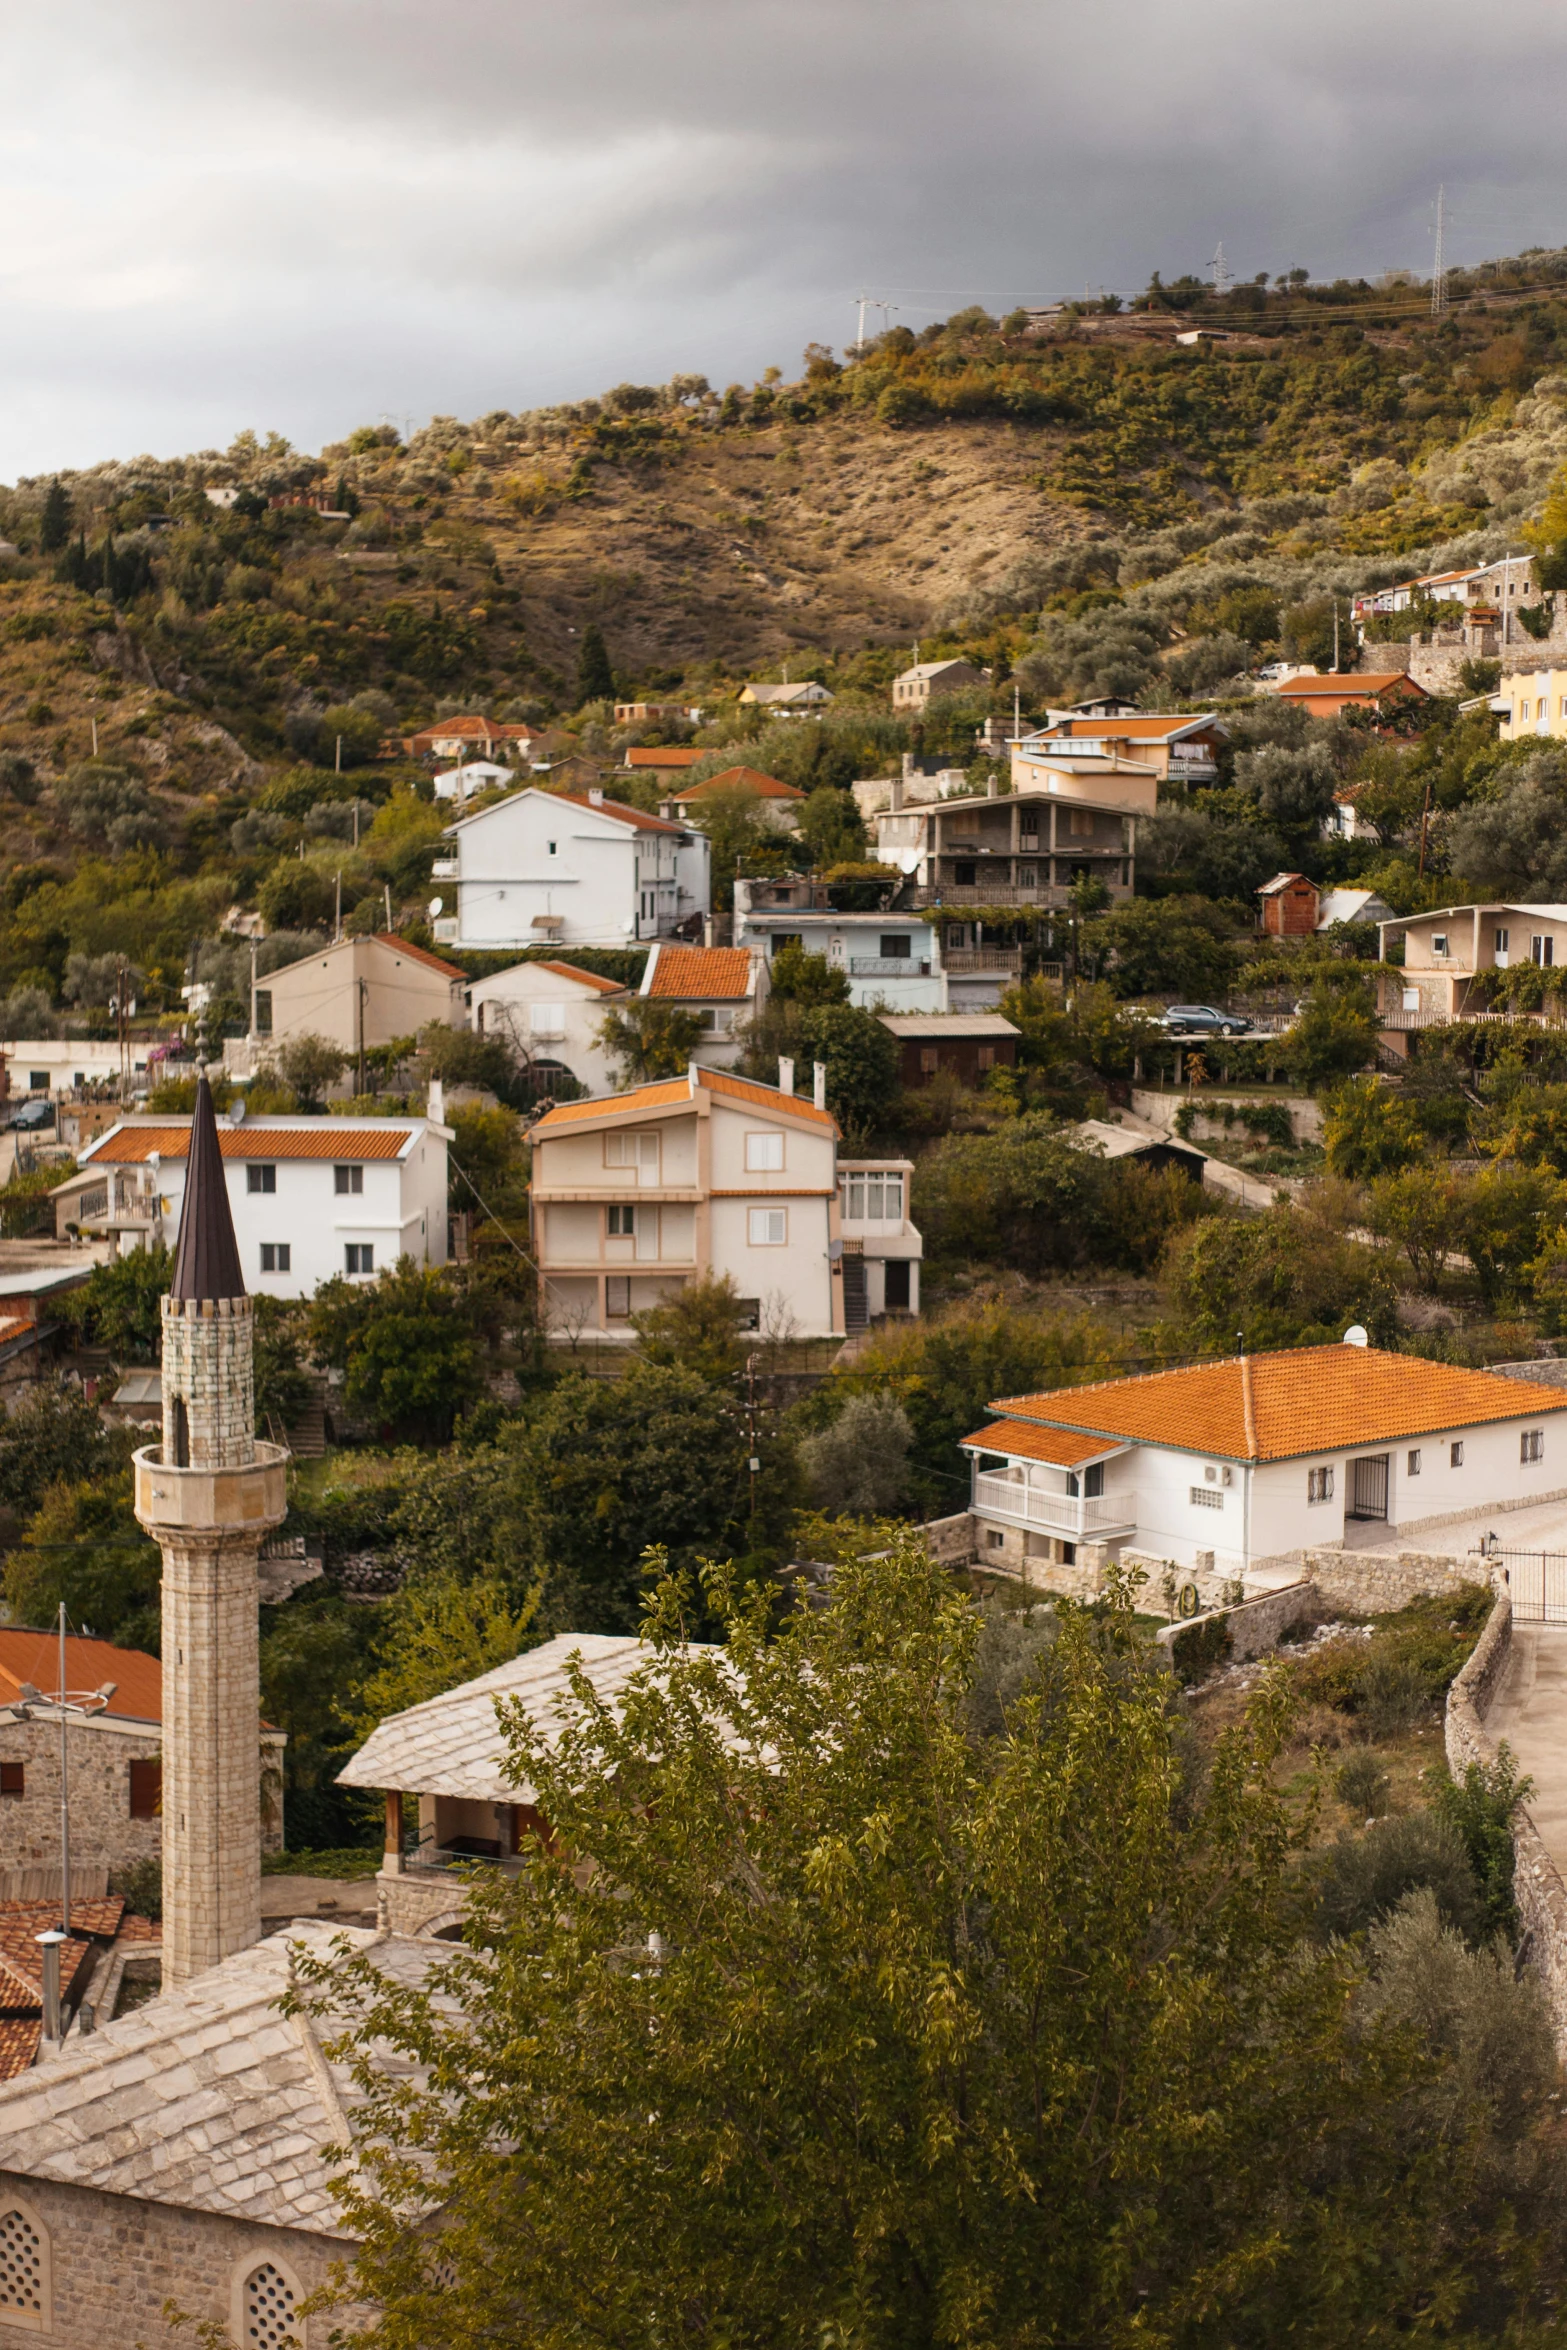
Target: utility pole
[361, 992]
[338, 763]
[1439, 260]
[755, 1463]
[1425, 820]
[386, 885]
[1220, 268]
[252, 991]
[337, 902]
[864, 299]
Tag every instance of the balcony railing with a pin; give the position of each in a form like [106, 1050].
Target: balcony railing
[1079, 1516]
[1006, 961]
[444, 869]
[887, 967]
[446, 929]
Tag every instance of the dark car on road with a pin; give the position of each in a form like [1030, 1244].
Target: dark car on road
[1202, 1020]
[31, 1116]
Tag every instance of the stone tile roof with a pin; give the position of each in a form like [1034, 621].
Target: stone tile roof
[1276, 1407]
[452, 1745]
[206, 1254]
[206, 2098]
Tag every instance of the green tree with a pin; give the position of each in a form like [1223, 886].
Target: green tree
[54, 1433]
[862, 1064]
[307, 1065]
[807, 980]
[950, 2038]
[314, 1652]
[1279, 1279]
[1421, 1211]
[120, 1305]
[595, 677]
[283, 1384]
[441, 1630]
[54, 520]
[489, 1149]
[647, 1038]
[696, 1328]
[1530, 1125]
[405, 1342]
[348, 736]
[83, 1546]
[1031, 1195]
[737, 827]
[832, 829]
[858, 1466]
[26, 1201]
[1335, 1036]
[1507, 1213]
[1369, 1131]
[1181, 947]
[600, 1467]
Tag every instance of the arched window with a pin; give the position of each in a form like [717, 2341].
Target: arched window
[24, 2268]
[181, 1432]
[267, 2298]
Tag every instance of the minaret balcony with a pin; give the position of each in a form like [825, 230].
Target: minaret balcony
[221, 1500]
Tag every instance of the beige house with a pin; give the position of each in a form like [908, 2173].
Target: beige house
[358, 994]
[706, 1174]
[724, 986]
[1180, 746]
[1536, 703]
[1024, 848]
[915, 689]
[776, 805]
[551, 1011]
[1446, 952]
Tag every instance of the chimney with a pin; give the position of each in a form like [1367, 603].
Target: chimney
[709, 931]
[819, 1084]
[785, 1073]
[596, 795]
[693, 1075]
[897, 793]
[990, 787]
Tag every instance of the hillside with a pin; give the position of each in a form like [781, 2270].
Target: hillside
[1080, 500]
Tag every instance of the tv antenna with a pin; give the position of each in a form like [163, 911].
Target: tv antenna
[1439, 259]
[1222, 281]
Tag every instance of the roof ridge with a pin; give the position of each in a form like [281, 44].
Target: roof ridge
[1248, 1407]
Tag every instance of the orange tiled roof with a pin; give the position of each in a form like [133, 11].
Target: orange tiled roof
[1149, 729]
[701, 971]
[1349, 682]
[667, 758]
[35, 1657]
[1062, 1447]
[100, 1917]
[133, 1145]
[405, 946]
[575, 971]
[751, 779]
[1276, 1407]
[671, 1090]
[617, 809]
[19, 2038]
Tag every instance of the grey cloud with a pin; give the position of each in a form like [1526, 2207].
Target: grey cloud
[309, 212]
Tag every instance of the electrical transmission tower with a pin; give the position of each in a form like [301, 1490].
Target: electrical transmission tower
[1222, 281]
[1439, 261]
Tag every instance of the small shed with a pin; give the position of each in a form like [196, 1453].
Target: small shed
[966, 1044]
[1114, 1142]
[1289, 906]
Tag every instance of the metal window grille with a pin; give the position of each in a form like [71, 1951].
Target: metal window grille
[1531, 1444]
[1319, 1485]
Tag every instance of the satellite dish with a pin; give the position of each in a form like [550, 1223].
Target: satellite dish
[436, 904]
[1355, 1335]
[237, 1110]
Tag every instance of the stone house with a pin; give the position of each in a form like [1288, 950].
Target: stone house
[1224, 1469]
[913, 690]
[776, 805]
[113, 1756]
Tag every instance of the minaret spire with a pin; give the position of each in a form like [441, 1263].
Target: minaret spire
[207, 1495]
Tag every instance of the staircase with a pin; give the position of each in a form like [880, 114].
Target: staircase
[307, 1439]
[855, 1316]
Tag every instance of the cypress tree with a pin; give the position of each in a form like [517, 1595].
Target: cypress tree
[54, 525]
[595, 678]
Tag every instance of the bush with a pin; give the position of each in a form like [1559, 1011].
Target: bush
[1362, 1879]
[140, 1886]
[1362, 1783]
[859, 1466]
[1479, 1807]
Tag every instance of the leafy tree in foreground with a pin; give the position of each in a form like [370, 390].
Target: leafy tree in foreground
[869, 2027]
[647, 1039]
[406, 1343]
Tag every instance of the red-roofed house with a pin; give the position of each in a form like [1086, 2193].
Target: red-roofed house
[722, 985]
[1222, 1471]
[550, 1011]
[113, 1754]
[1383, 691]
[778, 804]
[549, 868]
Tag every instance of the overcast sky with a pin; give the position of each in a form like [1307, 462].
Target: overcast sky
[302, 215]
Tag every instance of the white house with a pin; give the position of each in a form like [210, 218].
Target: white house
[67, 1064]
[474, 776]
[569, 868]
[550, 1013]
[882, 1247]
[892, 962]
[706, 1174]
[1226, 1468]
[310, 1197]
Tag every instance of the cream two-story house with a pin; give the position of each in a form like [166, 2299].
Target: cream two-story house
[1447, 952]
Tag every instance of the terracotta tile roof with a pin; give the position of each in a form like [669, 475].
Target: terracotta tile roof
[666, 758]
[19, 2039]
[1276, 1407]
[1063, 1447]
[765, 787]
[405, 946]
[670, 1091]
[1149, 729]
[101, 1918]
[1348, 682]
[132, 1145]
[618, 809]
[22, 1963]
[35, 1657]
[701, 971]
[588, 978]
[15, 1326]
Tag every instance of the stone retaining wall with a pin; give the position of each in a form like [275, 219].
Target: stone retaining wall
[952, 1540]
[1537, 1883]
[1379, 1582]
[1256, 1624]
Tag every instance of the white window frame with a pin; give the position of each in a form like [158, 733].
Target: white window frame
[767, 1227]
[764, 1151]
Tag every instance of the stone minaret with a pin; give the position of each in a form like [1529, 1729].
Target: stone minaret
[207, 1495]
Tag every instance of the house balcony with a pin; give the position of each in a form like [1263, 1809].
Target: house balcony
[444, 869]
[445, 928]
[1005, 962]
[1042, 897]
[888, 967]
[1081, 1517]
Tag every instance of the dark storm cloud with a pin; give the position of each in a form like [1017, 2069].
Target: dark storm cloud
[303, 214]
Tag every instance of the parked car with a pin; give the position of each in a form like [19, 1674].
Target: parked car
[1202, 1020]
[31, 1116]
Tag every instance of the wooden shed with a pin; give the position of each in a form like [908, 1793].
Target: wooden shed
[966, 1044]
[1289, 906]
